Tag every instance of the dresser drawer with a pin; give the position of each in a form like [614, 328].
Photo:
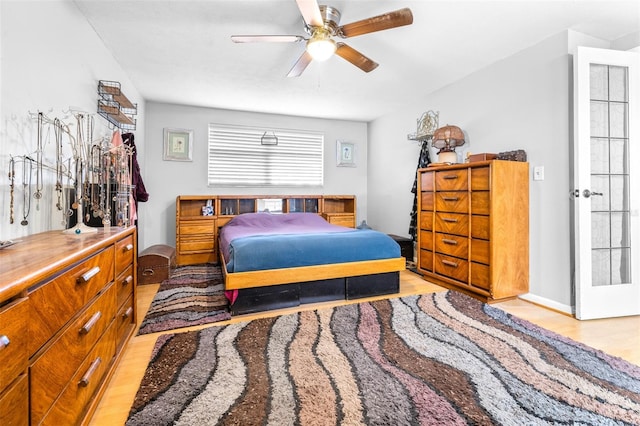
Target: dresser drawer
[124, 321]
[196, 227]
[480, 227]
[452, 245]
[480, 178]
[426, 181]
[480, 202]
[14, 404]
[14, 350]
[426, 260]
[124, 254]
[426, 240]
[451, 180]
[54, 303]
[452, 223]
[426, 201]
[456, 202]
[426, 221]
[480, 251]
[197, 245]
[53, 369]
[71, 405]
[340, 220]
[124, 285]
[452, 267]
[480, 276]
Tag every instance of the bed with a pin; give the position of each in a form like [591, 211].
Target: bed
[272, 261]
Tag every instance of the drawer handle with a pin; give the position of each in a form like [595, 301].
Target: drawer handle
[448, 241]
[128, 247]
[450, 198]
[127, 280]
[148, 272]
[127, 313]
[89, 324]
[89, 274]
[84, 382]
[450, 219]
[450, 263]
[4, 341]
[450, 176]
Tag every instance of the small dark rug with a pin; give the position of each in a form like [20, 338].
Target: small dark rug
[435, 359]
[193, 295]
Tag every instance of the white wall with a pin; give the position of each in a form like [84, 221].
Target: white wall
[51, 62]
[521, 102]
[165, 180]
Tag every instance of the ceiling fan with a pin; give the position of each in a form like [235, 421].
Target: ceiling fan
[321, 25]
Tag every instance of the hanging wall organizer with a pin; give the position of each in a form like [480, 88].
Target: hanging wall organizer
[114, 106]
[427, 124]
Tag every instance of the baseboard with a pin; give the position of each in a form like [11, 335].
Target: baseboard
[548, 303]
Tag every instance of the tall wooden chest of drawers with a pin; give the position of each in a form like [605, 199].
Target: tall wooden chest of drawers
[474, 228]
[67, 308]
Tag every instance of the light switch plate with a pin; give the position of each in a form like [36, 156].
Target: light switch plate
[538, 173]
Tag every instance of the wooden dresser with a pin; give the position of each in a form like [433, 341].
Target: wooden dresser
[474, 228]
[67, 308]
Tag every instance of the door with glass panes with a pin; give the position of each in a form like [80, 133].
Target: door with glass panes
[606, 186]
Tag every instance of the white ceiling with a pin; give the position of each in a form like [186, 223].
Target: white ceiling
[180, 51]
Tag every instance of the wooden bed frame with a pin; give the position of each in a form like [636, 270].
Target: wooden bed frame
[279, 288]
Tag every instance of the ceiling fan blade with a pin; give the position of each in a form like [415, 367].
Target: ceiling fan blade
[301, 64]
[310, 12]
[386, 21]
[356, 58]
[266, 38]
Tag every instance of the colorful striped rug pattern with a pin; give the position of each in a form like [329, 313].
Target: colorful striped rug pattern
[193, 295]
[436, 359]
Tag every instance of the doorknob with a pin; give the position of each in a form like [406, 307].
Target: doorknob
[586, 193]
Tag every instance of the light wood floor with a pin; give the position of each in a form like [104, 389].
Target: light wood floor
[619, 337]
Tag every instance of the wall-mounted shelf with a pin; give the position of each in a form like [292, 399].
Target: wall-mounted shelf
[427, 124]
[115, 107]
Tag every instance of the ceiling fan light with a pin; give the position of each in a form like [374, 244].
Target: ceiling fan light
[321, 49]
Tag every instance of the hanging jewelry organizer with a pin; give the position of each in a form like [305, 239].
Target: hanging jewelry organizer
[114, 106]
[88, 181]
[102, 181]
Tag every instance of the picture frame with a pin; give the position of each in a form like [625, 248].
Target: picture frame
[346, 154]
[178, 145]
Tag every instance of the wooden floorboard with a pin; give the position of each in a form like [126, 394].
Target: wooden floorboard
[618, 336]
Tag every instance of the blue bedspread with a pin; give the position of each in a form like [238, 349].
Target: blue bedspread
[274, 251]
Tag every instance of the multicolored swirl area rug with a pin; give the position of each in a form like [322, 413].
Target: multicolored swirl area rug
[193, 295]
[436, 359]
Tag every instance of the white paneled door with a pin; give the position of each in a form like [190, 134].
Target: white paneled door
[606, 189]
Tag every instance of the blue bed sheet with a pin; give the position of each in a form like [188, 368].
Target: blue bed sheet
[262, 252]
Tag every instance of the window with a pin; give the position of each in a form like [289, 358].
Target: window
[238, 158]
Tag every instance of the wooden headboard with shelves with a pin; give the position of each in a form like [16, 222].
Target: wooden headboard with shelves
[198, 217]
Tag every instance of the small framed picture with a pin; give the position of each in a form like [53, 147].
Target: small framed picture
[346, 154]
[178, 144]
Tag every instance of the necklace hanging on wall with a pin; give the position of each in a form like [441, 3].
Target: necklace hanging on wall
[96, 181]
[38, 194]
[26, 185]
[57, 127]
[76, 188]
[12, 185]
[68, 212]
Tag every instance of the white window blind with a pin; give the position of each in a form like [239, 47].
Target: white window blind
[238, 158]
